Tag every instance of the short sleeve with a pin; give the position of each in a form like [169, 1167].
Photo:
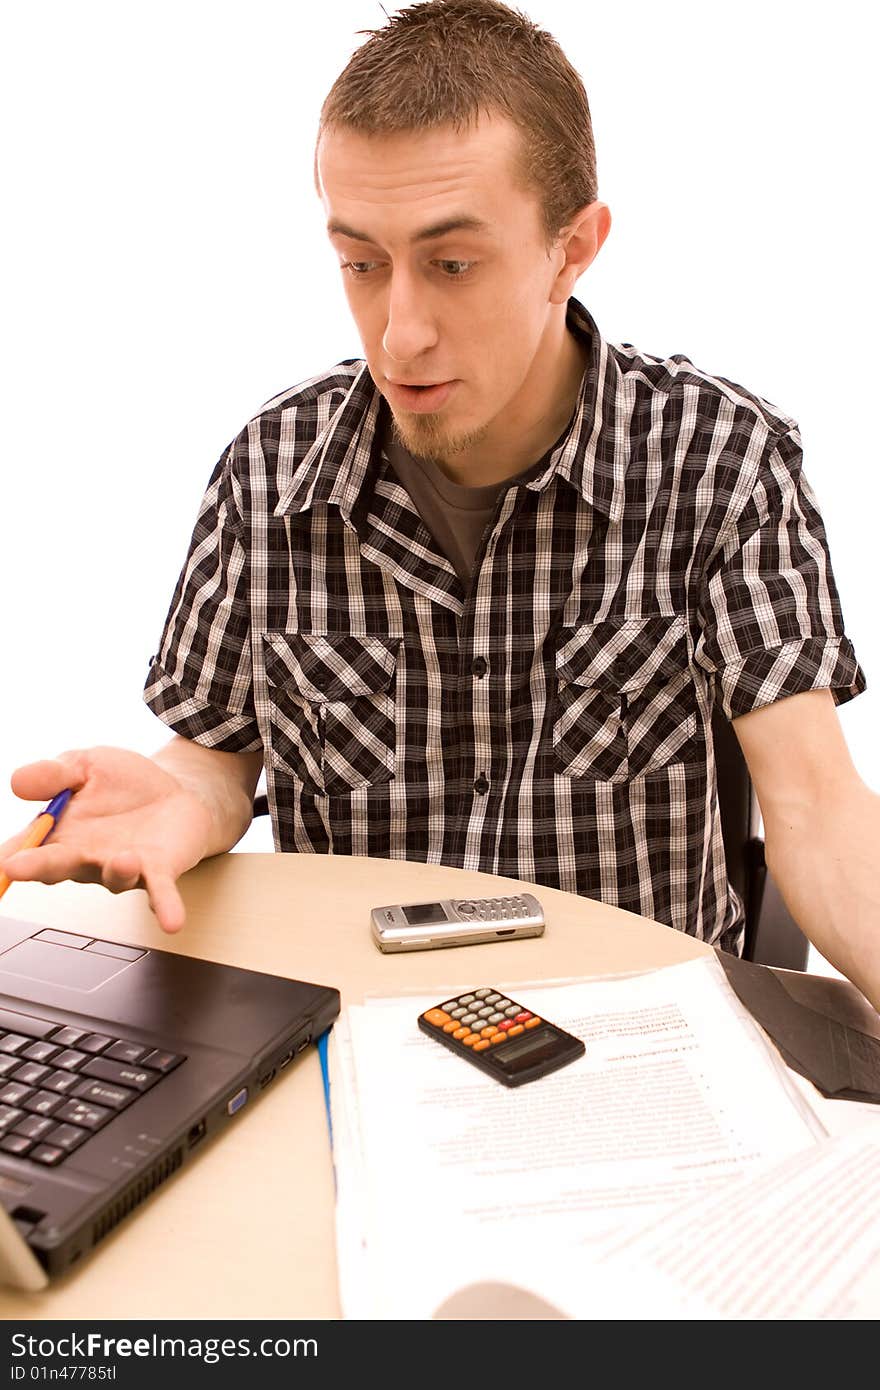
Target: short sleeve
[769, 611]
[200, 680]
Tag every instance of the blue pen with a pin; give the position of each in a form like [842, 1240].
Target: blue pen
[41, 828]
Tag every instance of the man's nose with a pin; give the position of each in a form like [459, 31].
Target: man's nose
[410, 329]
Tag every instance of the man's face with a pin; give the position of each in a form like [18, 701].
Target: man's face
[447, 273]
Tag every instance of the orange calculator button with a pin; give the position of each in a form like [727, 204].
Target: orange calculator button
[470, 1039]
[451, 1026]
[438, 1017]
[460, 1033]
[533, 1022]
[482, 1045]
[518, 1029]
[497, 1038]
[488, 1032]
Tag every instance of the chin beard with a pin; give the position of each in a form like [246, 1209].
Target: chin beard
[426, 437]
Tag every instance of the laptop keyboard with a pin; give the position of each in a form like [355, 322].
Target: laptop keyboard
[60, 1085]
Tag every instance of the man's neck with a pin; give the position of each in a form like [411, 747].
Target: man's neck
[522, 435]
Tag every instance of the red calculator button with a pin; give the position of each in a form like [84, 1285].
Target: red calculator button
[533, 1022]
[438, 1017]
[508, 1023]
[521, 1018]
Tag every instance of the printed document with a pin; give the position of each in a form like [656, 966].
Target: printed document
[448, 1180]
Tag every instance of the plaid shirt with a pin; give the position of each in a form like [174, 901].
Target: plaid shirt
[553, 721]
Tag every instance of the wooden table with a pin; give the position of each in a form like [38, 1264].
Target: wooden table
[246, 1230]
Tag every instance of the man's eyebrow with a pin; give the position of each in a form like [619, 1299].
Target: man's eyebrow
[462, 223]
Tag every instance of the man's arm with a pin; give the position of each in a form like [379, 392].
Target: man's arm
[137, 822]
[821, 830]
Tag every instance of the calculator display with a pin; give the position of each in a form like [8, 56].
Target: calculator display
[525, 1052]
[418, 914]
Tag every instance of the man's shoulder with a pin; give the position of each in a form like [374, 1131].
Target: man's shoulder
[646, 377]
[333, 384]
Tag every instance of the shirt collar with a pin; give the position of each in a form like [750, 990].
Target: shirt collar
[592, 456]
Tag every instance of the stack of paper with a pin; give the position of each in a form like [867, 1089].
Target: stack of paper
[643, 1180]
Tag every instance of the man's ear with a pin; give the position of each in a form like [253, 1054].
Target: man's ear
[580, 242]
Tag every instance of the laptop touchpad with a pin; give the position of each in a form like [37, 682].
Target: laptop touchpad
[56, 965]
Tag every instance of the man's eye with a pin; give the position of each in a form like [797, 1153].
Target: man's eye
[455, 269]
[359, 268]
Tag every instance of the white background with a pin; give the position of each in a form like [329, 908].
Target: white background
[165, 271]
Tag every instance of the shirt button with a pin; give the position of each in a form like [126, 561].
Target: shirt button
[482, 784]
[479, 666]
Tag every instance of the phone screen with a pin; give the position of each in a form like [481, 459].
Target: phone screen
[418, 914]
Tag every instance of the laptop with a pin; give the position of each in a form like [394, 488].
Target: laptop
[116, 1062]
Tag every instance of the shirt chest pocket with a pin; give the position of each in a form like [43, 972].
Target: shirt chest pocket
[625, 699]
[331, 717]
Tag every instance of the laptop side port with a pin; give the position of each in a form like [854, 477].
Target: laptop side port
[266, 1077]
[197, 1133]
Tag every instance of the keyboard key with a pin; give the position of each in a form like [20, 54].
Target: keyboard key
[33, 1126]
[136, 1077]
[40, 1051]
[13, 1042]
[31, 1074]
[8, 1064]
[94, 1042]
[8, 1116]
[78, 1112]
[24, 1023]
[162, 1061]
[117, 1097]
[68, 1037]
[61, 1081]
[69, 1059]
[126, 1052]
[14, 1094]
[15, 1144]
[48, 1154]
[67, 1137]
[43, 1103]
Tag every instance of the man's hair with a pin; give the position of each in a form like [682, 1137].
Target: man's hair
[447, 62]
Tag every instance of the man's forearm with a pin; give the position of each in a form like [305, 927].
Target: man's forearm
[224, 782]
[824, 861]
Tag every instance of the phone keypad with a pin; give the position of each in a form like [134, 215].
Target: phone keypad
[492, 909]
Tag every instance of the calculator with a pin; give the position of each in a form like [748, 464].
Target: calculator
[501, 1037]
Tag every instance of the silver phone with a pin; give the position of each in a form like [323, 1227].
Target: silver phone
[456, 922]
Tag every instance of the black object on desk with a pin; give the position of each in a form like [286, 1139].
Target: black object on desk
[824, 1028]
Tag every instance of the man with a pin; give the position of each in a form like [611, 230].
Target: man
[472, 600]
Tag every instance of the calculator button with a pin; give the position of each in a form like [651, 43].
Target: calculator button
[466, 999]
[533, 1022]
[508, 1023]
[481, 993]
[488, 1032]
[501, 1003]
[437, 1017]
[494, 1018]
[451, 1026]
[497, 1038]
[492, 998]
[469, 1039]
[469, 1019]
[512, 1011]
[481, 1045]
[457, 1013]
[518, 1028]
[449, 1006]
[461, 1033]
[484, 1013]
[521, 1017]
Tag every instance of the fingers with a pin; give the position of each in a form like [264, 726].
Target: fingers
[128, 870]
[47, 864]
[42, 780]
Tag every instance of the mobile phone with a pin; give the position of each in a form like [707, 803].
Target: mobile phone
[504, 1039]
[456, 922]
